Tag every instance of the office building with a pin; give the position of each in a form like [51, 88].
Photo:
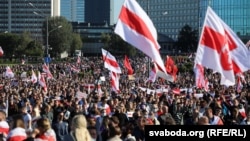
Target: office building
[97, 11]
[73, 10]
[18, 16]
[169, 16]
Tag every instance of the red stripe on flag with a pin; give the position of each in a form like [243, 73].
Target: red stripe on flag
[136, 23]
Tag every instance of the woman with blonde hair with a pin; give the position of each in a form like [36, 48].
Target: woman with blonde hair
[79, 131]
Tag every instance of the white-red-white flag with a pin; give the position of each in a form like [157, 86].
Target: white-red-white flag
[9, 73]
[1, 51]
[47, 71]
[115, 82]
[153, 74]
[135, 27]
[42, 82]
[33, 77]
[199, 75]
[110, 62]
[221, 50]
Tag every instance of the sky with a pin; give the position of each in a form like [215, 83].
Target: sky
[117, 8]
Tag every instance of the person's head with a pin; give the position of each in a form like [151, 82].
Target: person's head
[17, 121]
[43, 125]
[209, 113]
[92, 132]
[114, 121]
[170, 121]
[24, 110]
[165, 109]
[115, 131]
[203, 120]
[2, 115]
[79, 128]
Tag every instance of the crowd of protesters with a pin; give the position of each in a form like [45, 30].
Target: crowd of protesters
[29, 112]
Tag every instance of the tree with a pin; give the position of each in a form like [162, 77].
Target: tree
[34, 48]
[24, 40]
[187, 39]
[114, 43]
[76, 43]
[59, 39]
[9, 43]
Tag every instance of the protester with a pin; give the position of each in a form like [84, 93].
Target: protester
[17, 131]
[74, 93]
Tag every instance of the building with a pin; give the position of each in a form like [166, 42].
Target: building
[73, 10]
[234, 13]
[18, 16]
[97, 11]
[91, 34]
[169, 16]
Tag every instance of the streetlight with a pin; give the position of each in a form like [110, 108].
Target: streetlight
[47, 26]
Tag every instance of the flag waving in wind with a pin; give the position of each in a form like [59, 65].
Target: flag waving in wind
[135, 27]
[1, 51]
[110, 62]
[221, 50]
[128, 65]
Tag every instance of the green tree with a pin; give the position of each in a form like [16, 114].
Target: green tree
[9, 42]
[34, 48]
[76, 43]
[187, 39]
[115, 44]
[24, 40]
[59, 39]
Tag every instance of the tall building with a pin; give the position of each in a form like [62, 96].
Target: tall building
[73, 10]
[18, 16]
[234, 13]
[97, 11]
[169, 16]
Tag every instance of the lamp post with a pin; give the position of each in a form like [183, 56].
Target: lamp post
[47, 27]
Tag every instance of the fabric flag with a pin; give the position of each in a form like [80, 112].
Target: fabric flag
[110, 62]
[171, 68]
[115, 82]
[1, 51]
[42, 81]
[17, 134]
[239, 84]
[221, 50]
[128, 65]
[9, 73]
[47, 71]
[135, 27]
[33, 77]
[153, 74]
[199, 75]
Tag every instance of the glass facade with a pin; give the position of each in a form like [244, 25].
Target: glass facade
[73, 10]
[169, 16]
[18, 16]
[235, 13]
[97, 11]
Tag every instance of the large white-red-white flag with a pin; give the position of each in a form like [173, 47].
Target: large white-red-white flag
[110, 62]
[135, 27]
[221, 50]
